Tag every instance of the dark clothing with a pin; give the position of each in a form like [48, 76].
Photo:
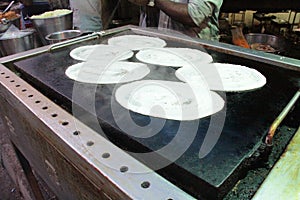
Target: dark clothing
[35, 9]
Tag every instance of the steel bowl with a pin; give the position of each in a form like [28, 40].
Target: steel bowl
[278, 43]
[62, 36]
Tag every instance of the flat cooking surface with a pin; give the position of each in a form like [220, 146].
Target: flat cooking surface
[248, 116]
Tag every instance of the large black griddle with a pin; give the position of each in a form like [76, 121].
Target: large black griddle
[248, 117]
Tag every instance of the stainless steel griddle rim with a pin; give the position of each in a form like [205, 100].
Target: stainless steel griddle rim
[53, 47]
[48, 48]
[268, 58]
[90, 146]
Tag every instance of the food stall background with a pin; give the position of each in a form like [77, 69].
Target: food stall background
[231, 22]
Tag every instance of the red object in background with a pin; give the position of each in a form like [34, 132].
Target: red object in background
[238, 38]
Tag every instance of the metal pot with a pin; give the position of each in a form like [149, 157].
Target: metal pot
[5, 24]
[278, 43]
[46, 26]
[14, 45]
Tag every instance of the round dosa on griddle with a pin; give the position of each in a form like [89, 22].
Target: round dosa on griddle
[168, 100]
[136, 42]
[223, 76]
[175, 57]
[117, 72]
[99, 52]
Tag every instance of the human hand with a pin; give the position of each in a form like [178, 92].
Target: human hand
[139, 2]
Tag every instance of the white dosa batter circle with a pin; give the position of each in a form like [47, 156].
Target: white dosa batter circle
[175, 57]
[99, 52]
[118, 72]
[223, 77]
[136, 42]
[168, 100]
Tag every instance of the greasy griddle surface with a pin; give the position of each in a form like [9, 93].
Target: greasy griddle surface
[248, 115]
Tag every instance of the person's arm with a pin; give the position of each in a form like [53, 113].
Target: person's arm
[180, 11]
[177, 11]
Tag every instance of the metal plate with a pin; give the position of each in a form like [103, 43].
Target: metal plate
[246, 119]
[74, 160]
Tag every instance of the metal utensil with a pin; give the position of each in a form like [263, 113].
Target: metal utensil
[281, 117]
[8, 7]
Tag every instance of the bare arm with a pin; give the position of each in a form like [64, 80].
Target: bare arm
[177, 11]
